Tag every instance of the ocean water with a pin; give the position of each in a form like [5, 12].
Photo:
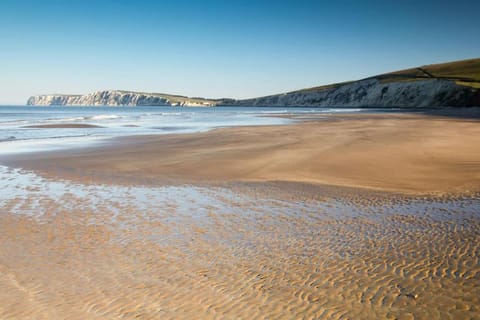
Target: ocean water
[17, 135]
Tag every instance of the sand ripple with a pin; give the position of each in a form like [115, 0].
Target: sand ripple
[238, 252]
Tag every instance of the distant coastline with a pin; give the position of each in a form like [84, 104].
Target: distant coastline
[453, 84]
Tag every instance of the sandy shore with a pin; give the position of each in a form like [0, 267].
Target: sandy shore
[250, 251]
[396, 152]
[282, 222]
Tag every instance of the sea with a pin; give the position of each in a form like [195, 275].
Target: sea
[19, 132]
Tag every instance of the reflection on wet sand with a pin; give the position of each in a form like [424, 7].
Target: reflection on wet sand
[238, 251]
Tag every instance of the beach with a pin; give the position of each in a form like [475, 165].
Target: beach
[408, 153]
[239, 160]
[342, 216]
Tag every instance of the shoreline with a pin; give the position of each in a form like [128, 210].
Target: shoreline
[394, 152]
[175, 227]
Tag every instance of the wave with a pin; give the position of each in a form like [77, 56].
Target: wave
[14, 122]
[340, 110]
[82, 118]
[273, 111]
[72, 119]
[44, 139]
[170, 113]
[104, 117]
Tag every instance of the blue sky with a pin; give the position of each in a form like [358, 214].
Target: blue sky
[217, 48]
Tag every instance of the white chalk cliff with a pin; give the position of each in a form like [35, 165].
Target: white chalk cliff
[363, 93]
[374, 93]
[118, 98]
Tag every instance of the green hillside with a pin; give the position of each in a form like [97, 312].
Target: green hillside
[464, 72]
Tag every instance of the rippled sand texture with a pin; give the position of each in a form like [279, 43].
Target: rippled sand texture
[260, 251]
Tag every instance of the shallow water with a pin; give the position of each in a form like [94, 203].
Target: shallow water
[17, 135]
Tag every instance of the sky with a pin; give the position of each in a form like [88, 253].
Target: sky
[215, 48]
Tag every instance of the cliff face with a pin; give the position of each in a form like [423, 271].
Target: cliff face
[449, 84]
[374, 93]
[54, 100]
[364, 93]
[118, 98]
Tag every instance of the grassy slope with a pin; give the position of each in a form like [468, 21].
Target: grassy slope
[464, 72]
[465, 69]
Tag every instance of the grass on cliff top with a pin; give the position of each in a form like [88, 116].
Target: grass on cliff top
[458, 69]
[173, 98]
[475, 85]
[464, 73]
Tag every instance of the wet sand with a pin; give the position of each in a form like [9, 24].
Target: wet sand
[100, 233]
[246, 251]
[393, 152]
